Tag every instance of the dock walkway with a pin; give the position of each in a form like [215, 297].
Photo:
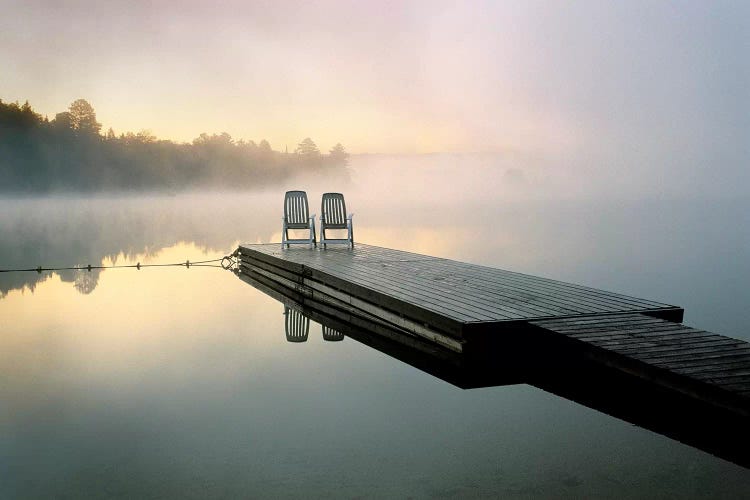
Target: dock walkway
[458, 305]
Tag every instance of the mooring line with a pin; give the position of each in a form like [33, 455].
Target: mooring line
[226, 262]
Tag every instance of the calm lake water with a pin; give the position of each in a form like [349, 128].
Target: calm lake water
[174, 382]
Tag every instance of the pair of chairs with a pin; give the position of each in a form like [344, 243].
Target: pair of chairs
[333, 216]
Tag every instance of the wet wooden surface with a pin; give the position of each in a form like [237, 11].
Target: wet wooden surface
[713, 366]
[456, 291]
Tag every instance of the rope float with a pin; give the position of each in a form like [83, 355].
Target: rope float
[227, 262]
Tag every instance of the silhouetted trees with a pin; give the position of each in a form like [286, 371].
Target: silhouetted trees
[307, 149]
[83, 117]
[338, 155]
[69, 154]
[63, 121]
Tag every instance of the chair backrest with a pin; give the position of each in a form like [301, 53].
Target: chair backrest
[296, 210]
[334, 209]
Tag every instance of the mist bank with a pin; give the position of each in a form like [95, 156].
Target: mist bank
[453, 179]
[69, 154]
[686, 252]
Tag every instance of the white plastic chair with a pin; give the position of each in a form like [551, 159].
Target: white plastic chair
[333, 216]
[297, 216]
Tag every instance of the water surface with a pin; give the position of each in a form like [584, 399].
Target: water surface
[174, 382]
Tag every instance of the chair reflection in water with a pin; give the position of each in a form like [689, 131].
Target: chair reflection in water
[297, 327]
[333, 216]
[331, 335]
[297, 216]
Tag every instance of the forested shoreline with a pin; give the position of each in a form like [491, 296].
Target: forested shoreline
[69, 153]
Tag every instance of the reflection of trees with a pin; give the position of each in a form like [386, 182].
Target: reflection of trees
[68, 232]
[86, 281]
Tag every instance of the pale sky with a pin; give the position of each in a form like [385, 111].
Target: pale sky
[387, 76]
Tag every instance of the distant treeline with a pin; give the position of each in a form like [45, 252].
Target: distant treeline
[69, 153]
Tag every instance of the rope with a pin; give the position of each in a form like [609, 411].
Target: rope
[227, 262]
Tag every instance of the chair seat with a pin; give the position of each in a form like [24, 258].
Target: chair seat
[335, 226]
[298, 225]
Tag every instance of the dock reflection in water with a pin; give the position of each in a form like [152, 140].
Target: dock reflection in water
[520, 360]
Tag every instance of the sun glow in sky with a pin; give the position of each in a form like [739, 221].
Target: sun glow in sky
[387, 76]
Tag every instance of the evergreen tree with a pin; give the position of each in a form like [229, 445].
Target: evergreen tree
[307, 149]
[83, 117]
[63, 121]
[339, 156]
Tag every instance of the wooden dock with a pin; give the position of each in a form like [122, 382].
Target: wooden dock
[493, 314]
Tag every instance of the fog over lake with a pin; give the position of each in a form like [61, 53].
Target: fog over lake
[600, 143]
[174, 382]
